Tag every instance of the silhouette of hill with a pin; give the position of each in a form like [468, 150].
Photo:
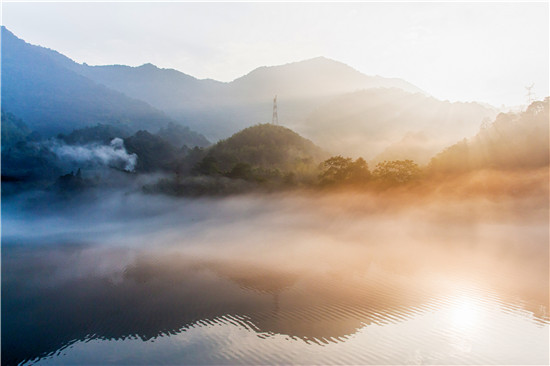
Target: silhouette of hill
[512, 141]
[266, 146]
[411, 126]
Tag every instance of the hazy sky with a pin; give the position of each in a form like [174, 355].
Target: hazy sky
[486, 52]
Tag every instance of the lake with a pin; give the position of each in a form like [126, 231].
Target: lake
[338, 278]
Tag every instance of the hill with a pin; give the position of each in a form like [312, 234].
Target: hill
[266, 146]
[410, 126]
[512, 141]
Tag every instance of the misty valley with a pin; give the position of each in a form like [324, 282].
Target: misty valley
[301, 214]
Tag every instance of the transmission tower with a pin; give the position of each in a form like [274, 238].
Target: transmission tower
[275, 119]
[530, 95]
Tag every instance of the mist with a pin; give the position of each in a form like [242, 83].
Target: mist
[505, 217]
[112, 155]
[270, 263]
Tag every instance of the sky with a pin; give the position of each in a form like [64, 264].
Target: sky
[485, 52]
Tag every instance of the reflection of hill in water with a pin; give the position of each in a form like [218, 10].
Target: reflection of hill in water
[162, 295]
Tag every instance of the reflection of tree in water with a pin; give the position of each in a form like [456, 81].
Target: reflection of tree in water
[155, 296]
[162, 295]
[261, 280]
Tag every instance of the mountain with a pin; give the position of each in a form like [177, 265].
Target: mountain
[324, 100]
[391, 124]
[315, 77]
[512, 141]
[219, 109]
[39, 86]
[14, 130]
[99, 133]
[309, 92]
[180, 136]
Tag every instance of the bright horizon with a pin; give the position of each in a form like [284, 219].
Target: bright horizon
[459, 52]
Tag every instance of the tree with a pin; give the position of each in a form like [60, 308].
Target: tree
[338, 170]
[241, 171]
[207, 166]
[396, 171]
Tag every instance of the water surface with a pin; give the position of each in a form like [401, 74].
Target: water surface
[339, 279]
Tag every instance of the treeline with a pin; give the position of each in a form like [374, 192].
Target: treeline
[263, 157]
[337, 172]
[253, 159]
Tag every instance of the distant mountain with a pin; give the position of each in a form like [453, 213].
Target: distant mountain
[391, 124]
[308, 94]
[315, 77]
[166, 89]
[324, 100]
[219, 109]
[512, 141]
[40, 86]
[99, 133]
[14, 130]
[180, 136]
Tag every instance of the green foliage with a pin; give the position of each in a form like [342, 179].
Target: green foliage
[340, 170]
[241, 171]
[207, 166]
[396, 171]
[267, 154]
[266, 146]
[154, 153]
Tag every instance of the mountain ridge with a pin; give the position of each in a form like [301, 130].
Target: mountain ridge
[40, 86]
[309, 93]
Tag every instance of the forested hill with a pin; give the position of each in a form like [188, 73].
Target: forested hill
[512, 141]
[266, 146]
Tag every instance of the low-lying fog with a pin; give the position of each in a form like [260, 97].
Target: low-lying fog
[326, 257]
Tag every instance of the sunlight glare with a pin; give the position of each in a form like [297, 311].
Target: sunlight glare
[465, 314]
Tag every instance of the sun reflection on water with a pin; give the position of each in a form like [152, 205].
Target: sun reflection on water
[465, 314]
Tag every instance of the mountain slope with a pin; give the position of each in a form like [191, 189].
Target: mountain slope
[411, 126]
[315, 77]
[51, 98]
[219, 109]
[512, 141]
[324, 100]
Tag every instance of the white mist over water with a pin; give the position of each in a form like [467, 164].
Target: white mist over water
[286, 278]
